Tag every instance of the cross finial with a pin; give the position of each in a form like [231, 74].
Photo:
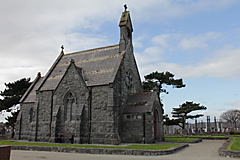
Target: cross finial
[72, 61]
[62, 48]
[39, 74]
[125, 6]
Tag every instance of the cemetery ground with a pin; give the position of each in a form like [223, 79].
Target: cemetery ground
[144, 147]
[169, 143]
[207, 150]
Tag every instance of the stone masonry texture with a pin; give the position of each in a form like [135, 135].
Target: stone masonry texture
[85, 96]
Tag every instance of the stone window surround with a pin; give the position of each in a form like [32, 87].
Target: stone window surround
[69, 113]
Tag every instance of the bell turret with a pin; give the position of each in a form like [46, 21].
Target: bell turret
[126, 30]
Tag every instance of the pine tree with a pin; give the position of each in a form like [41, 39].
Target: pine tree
[182, 113]
[157, 80]
[11, 96]
[13, 93]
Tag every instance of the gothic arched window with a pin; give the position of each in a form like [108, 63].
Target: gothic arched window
[69, 107]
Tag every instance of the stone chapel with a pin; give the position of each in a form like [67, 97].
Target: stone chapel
[94, 94]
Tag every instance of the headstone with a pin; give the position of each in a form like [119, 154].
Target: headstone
[196, 126]
[208, 125]
[215, 124]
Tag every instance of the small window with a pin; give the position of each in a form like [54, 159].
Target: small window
[31, 115]
[128, 117]
[139, 117]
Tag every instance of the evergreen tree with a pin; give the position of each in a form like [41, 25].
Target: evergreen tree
[157, 80]
[182, 113]
[13, 93]
[11, 96]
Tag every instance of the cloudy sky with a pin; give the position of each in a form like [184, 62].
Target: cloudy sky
[197, 40]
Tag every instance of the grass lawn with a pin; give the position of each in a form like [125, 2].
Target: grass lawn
[145, 147]
[200, 136]
[180, 139]
[235, 145]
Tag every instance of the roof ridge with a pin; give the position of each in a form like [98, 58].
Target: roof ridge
[93, 49]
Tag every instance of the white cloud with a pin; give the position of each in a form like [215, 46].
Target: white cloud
[164, 10]
[164, 39]
[76, 41]
[33, 31]
[199, 41]
[192, 43]
[137, 41]
[149, 55]
[215, 65]
[185, 41]
[222, 64]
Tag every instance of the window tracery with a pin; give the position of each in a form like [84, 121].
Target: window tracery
[69, 107]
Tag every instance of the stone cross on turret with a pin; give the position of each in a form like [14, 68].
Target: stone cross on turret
[126, 30]
[125, 6]
[62, 48]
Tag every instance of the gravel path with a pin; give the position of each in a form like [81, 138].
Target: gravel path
[205, 150]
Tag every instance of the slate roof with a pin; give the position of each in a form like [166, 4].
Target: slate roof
[99, 66]
[139, 103]
[30, 94]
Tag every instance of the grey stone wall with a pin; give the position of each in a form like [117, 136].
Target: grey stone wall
[133, 130]
[103, 150]
[222, 151]
[128, 65]
[44, 116]
[121, 90]
[103, 125]
[18, 127]
[149, 128]
[144, 127]
[24, 126]
[72, 83]
[138, 129]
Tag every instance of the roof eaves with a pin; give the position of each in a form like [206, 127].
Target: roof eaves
[117, 66]
[50, 70]
[30, 88]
